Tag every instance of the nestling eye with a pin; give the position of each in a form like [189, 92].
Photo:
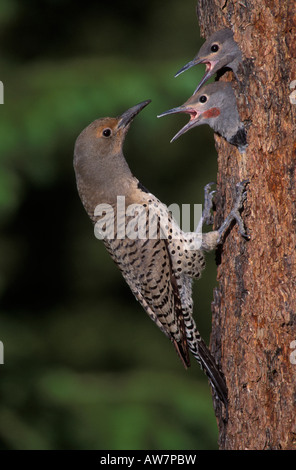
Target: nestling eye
[107, 132]
[215, 48]
[203, 99]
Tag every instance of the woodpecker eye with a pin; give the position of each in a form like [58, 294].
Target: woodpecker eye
[203, 99]
[215, 48]
[107, 132]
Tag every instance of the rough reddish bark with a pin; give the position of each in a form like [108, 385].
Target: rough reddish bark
[254, 307]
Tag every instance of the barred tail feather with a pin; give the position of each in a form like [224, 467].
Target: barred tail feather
[209, 366]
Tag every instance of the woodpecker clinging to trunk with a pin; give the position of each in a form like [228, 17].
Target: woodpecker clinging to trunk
[219, 51]
[160, 264]
[215, 105]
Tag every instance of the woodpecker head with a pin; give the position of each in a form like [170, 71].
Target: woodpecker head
[98, 155]
[219, 51]
[104, 137]
[215, 105]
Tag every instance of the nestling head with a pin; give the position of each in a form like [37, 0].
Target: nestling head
[211, 105]
[219, 50]
[215, 105]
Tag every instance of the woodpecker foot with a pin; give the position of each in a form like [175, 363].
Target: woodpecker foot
[241, 195]
[207, 216]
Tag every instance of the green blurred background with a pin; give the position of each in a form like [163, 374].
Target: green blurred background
[85, 367]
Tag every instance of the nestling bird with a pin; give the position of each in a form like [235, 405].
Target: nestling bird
[217, 52]
[159, 266]
[215, 105]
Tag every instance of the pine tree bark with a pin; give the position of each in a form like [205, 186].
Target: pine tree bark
[254, 307]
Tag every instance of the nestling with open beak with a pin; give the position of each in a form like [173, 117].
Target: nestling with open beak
[215, 105]
[219, 51]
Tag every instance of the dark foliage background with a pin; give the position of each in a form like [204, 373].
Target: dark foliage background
[85, 368]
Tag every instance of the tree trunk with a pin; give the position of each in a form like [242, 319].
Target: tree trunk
[254, 307]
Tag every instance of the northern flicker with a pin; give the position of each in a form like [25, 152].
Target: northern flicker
[219, 51]
[159, 266]
[215, 105]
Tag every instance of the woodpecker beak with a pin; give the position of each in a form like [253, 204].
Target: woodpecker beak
[210, 64]
[126, 118]
[194, 119]
[190, 64]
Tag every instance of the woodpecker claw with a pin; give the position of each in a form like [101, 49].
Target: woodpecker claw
[241, 195]
[207, 216]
